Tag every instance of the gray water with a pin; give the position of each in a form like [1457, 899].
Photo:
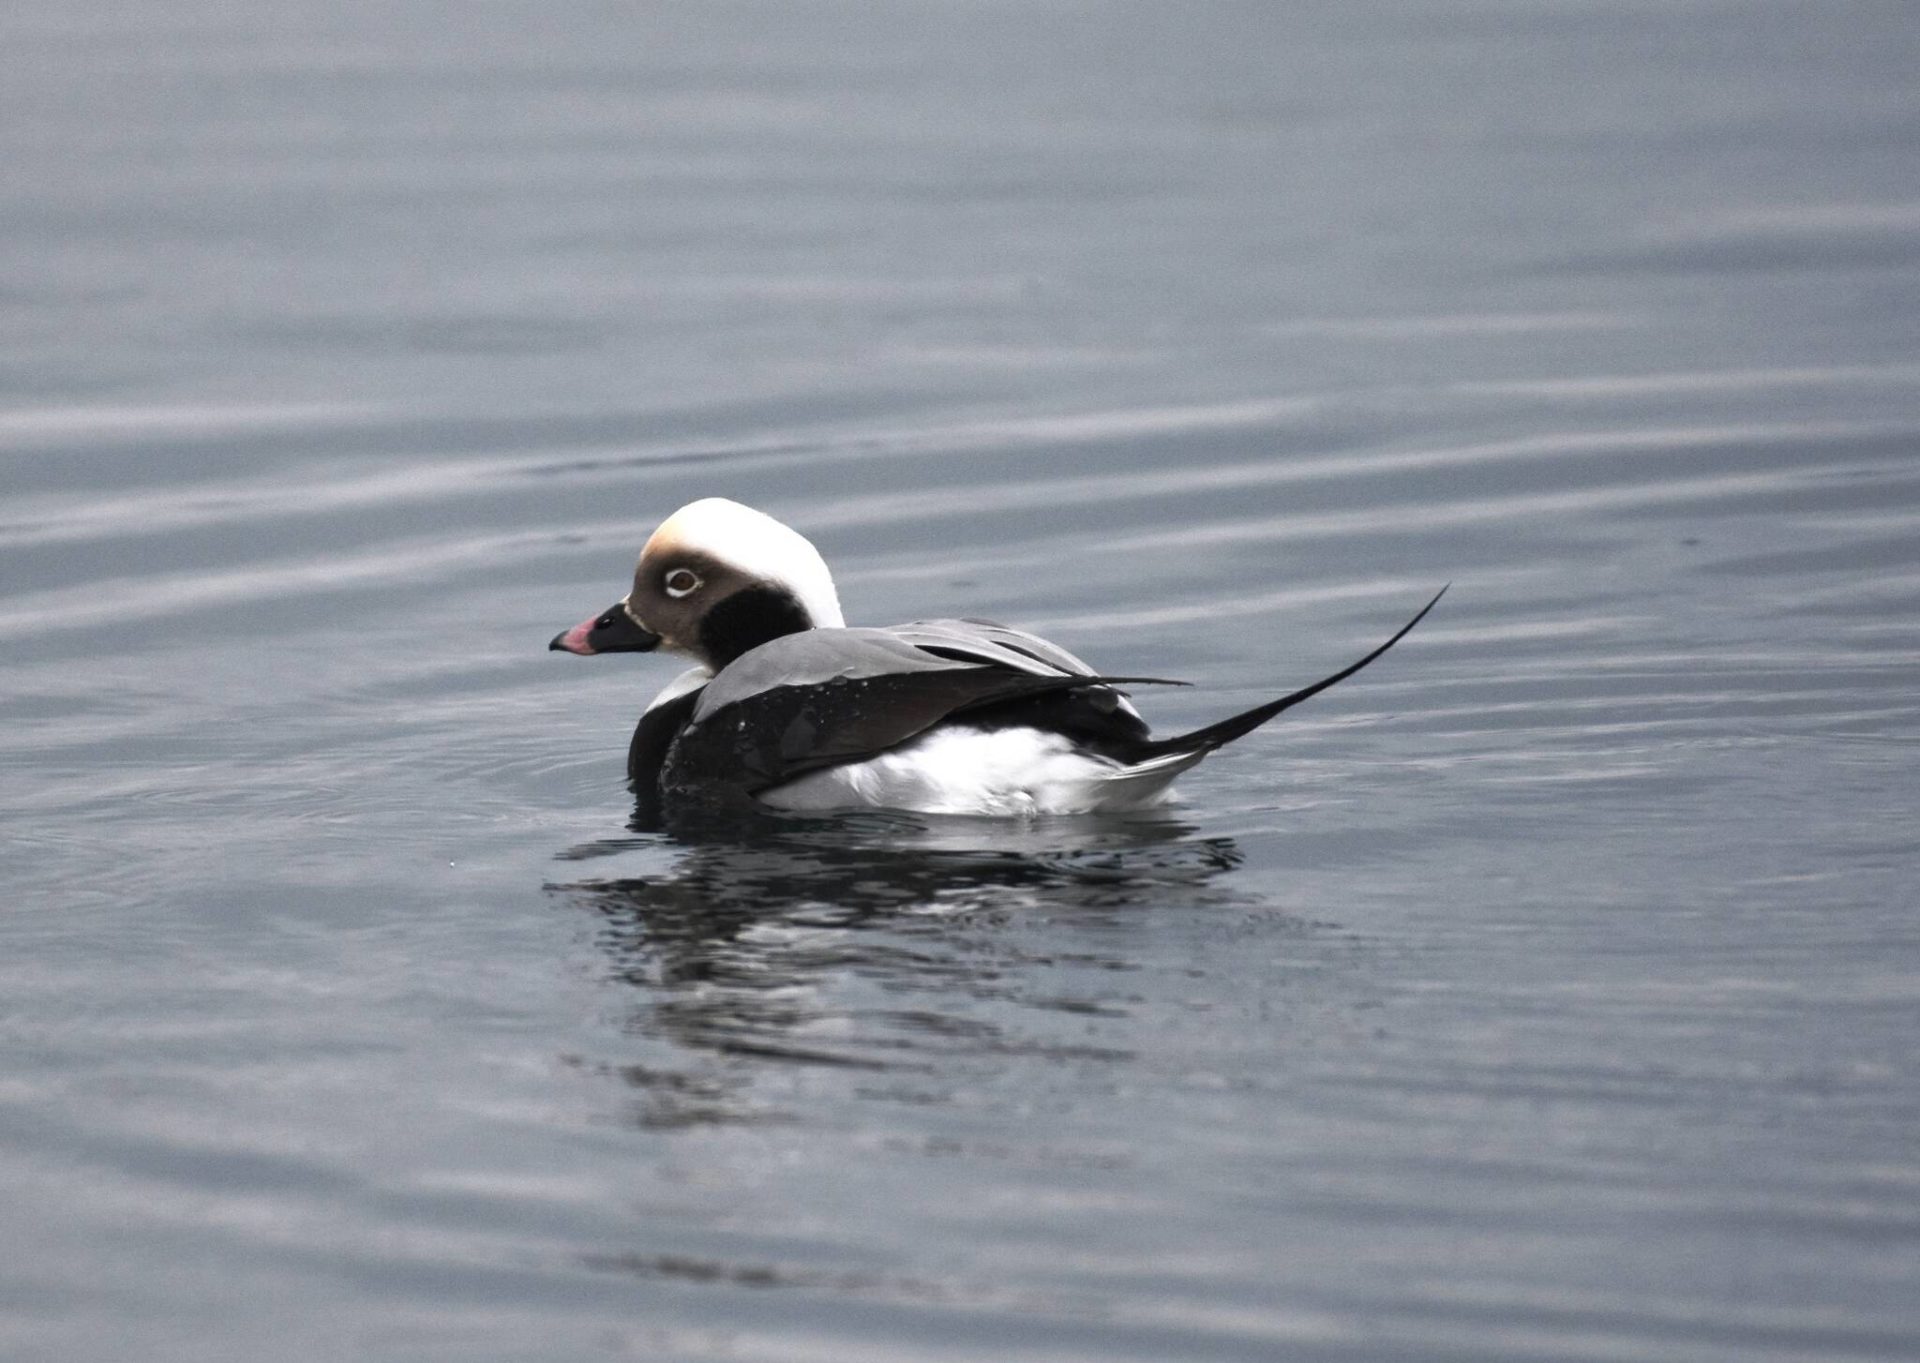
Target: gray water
[1548, 991]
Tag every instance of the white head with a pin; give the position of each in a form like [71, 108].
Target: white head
[716, 579]
[756, 547]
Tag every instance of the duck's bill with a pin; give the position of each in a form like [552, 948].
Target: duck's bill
[611, 631]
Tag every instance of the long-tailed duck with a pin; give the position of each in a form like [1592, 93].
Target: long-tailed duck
[789, 707]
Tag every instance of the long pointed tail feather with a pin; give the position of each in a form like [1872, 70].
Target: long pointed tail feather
[1234, 726]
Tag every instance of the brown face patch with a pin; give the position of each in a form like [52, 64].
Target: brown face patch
[676, 619]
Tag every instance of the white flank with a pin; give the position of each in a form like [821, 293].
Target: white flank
[956, 769]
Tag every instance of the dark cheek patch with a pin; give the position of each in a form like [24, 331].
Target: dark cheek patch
[747, 619]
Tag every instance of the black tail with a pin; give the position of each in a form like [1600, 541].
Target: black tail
[1216, 735]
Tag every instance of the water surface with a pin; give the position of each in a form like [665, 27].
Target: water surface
[1547, 991]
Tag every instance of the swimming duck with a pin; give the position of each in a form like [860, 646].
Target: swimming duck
[788, 707]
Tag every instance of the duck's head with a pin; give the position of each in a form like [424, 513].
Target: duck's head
[716, 579]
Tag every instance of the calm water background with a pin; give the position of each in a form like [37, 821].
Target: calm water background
[1549, 991]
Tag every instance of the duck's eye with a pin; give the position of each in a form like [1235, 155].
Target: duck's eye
[681, 581]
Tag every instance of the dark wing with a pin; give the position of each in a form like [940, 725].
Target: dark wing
[1096, 717]
[988, 641]
[829, 696]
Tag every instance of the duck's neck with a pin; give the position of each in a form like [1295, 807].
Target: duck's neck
[748, 619]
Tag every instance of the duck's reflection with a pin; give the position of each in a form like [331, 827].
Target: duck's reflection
[872, 943]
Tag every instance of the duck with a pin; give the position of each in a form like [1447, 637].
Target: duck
[788, 708]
